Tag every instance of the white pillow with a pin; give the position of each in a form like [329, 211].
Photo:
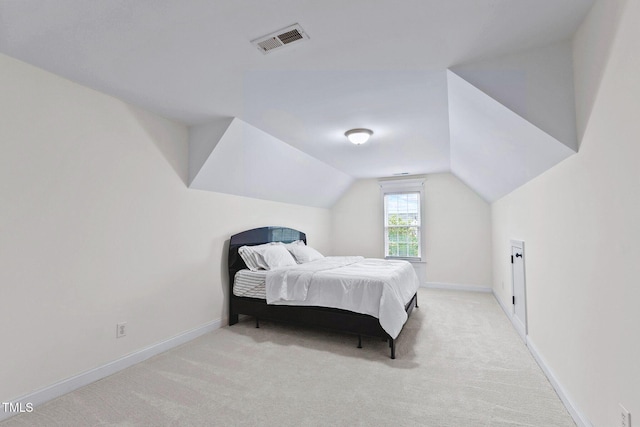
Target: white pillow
[277, 256]
[252, 255]
[304, 253]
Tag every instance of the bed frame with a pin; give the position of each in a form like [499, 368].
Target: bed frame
[323, 317]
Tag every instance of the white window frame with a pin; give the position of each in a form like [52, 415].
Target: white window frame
[399, 186]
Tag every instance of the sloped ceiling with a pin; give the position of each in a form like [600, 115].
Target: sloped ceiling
[495, 124]
[536, 84]
[381, 65]
[248, 162]
[494, 150]
[511, 118]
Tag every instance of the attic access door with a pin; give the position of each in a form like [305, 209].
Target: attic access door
[519, 288]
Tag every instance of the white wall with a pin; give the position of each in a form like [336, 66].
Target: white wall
[458, 232]
[457, 229]
[97, 227]
[356, 221]
[580, 225]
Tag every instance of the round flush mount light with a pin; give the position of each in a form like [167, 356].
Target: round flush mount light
[358, 136]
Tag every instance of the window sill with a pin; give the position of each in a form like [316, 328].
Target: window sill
[411, 260]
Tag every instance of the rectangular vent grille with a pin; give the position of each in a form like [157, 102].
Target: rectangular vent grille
[270, 44]
[279, 39]
[290, 36]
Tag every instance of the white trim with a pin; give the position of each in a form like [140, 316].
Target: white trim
[504, 307]
[457, 287]
[519, 327]
[520, 324]
[68, 385]
[578, 417]
[404, 185]
[517, 243]
[509, 312]
[413, 260]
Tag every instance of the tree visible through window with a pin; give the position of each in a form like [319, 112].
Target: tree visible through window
[402, 225]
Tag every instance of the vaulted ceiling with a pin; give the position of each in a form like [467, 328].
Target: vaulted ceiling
[481, 88]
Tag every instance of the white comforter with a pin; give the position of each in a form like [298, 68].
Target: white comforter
[380, 288]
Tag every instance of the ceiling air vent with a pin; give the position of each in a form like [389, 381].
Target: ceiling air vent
[280, 39]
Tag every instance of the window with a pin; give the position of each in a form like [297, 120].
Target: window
[402, 219]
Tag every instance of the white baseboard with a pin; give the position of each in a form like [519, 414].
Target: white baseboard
[578, 417]
[60, 388]
[519, 329]
[501, 304]
[456, 287]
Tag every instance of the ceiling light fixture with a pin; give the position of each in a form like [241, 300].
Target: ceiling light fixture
[358, 136]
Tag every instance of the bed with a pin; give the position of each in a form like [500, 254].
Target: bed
[249, 298]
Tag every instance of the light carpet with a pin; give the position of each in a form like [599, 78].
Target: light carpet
[459, 363]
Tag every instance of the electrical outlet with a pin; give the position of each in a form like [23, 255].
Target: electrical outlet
[625, 417]
[121, 329]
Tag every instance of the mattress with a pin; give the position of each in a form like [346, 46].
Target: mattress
[379, 288]
[250, 284]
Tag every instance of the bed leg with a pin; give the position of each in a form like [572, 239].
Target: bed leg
[233, 319]
[416, 300]
[359, 341]
[257, 323]
[392, 344]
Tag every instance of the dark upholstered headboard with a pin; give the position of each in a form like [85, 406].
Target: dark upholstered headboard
[257, 236]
